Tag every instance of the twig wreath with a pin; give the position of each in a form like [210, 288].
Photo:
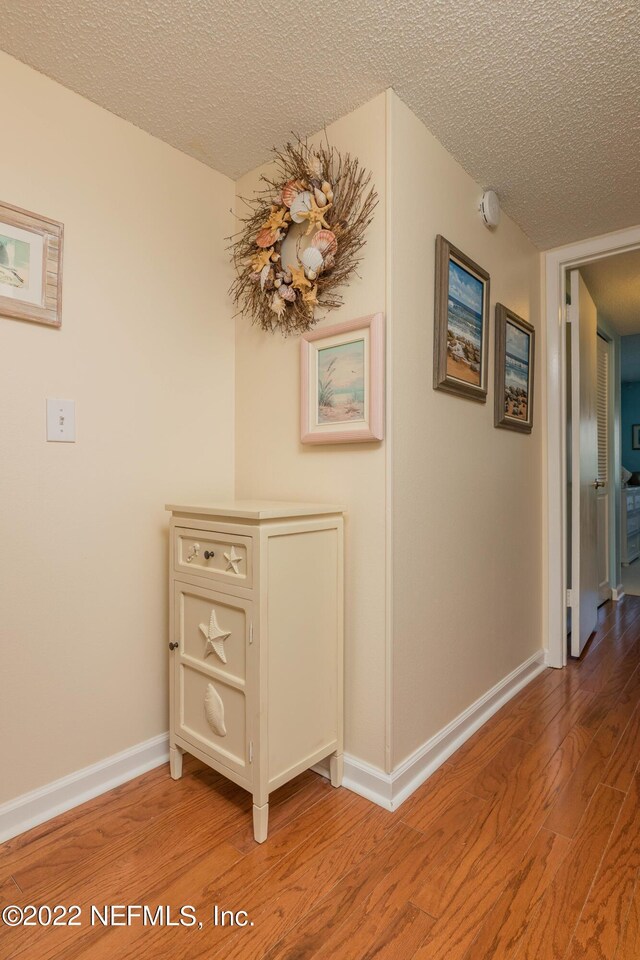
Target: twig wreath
[284, 271]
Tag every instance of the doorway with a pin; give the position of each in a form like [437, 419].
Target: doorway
[559, 264]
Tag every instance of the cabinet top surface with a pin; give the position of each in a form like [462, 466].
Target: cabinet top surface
[255, 509]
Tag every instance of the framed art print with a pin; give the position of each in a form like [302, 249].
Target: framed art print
[342, 382]
[30, 266]
[461, 328]
[635, 436]
[515, 353]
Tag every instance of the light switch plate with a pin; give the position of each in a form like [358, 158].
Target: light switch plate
[61, 420]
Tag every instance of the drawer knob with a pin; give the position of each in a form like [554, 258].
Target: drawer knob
[208, 554]
[172, 646]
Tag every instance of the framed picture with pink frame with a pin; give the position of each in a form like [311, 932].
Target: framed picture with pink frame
[342, 382]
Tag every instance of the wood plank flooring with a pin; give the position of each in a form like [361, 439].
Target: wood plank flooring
[525, 844]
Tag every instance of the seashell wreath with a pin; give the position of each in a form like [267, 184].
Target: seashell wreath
[330, 194]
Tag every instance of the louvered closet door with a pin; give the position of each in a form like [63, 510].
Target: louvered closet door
[604, 499]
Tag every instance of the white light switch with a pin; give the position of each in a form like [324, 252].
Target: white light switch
[61, 420]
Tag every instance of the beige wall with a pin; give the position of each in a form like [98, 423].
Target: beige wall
[467, 525]
[146, 350]
[446, 513]
[271, 461]
[444, 519]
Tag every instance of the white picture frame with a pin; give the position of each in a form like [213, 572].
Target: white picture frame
[342, 382]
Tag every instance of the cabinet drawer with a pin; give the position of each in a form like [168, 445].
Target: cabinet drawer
[218, 556]
[213, 631]
[636, 501]
[630, 500]
[633, 547]
[212, 716]
[633, 524]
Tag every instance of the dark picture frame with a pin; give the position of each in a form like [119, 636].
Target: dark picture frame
[635, 436]
[514, 373]
[461, 325]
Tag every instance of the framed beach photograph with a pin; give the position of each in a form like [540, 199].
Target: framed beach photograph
[515, 354]
[30, 266]
[461, 329]
[342, 382]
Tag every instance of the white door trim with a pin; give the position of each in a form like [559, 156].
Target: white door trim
[556, 262]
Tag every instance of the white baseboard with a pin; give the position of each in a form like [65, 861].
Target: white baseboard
[617, 593]
[389, 790]
[46, 802]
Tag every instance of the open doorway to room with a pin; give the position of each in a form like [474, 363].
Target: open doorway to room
[614, 283]
[593, 318]
[602, 372]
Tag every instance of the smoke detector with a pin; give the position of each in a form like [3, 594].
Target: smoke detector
[490, 208]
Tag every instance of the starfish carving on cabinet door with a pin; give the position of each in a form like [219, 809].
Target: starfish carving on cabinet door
[215, 637]
[233, 559]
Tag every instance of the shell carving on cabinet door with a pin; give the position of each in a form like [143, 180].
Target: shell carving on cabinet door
[214, 711]
[215, 637]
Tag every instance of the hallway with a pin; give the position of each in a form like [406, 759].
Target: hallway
[525, 844]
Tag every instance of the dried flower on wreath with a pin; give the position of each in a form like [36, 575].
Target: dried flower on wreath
[330, 196]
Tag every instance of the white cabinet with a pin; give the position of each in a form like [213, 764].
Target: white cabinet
[630, 539]
[256, 672]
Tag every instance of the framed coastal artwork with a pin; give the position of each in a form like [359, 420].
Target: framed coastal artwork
[30, 266]
[461, 329]
[515, 354]
[342, 382]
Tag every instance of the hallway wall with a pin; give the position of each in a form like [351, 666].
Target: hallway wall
[146, 350]
[467, 498]
[443, 525]
[271, 461]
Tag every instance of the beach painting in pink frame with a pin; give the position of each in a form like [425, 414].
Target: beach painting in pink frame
[342, 382]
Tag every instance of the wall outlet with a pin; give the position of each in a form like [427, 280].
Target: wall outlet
[61, 420]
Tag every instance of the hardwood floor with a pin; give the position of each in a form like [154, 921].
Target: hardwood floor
[525, 844]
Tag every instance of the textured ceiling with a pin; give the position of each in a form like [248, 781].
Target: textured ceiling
[536, 98]
[614, 284]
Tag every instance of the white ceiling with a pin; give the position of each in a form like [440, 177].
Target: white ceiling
[538, 99]
[614, 284]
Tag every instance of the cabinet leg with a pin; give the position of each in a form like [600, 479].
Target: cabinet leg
[260, 822]
[336, 767]
[175, 762]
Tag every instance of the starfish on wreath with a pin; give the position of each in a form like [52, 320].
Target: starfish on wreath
[298, 278]
[261, 259]
[315, 215]
[278, 219]
[310, 297]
